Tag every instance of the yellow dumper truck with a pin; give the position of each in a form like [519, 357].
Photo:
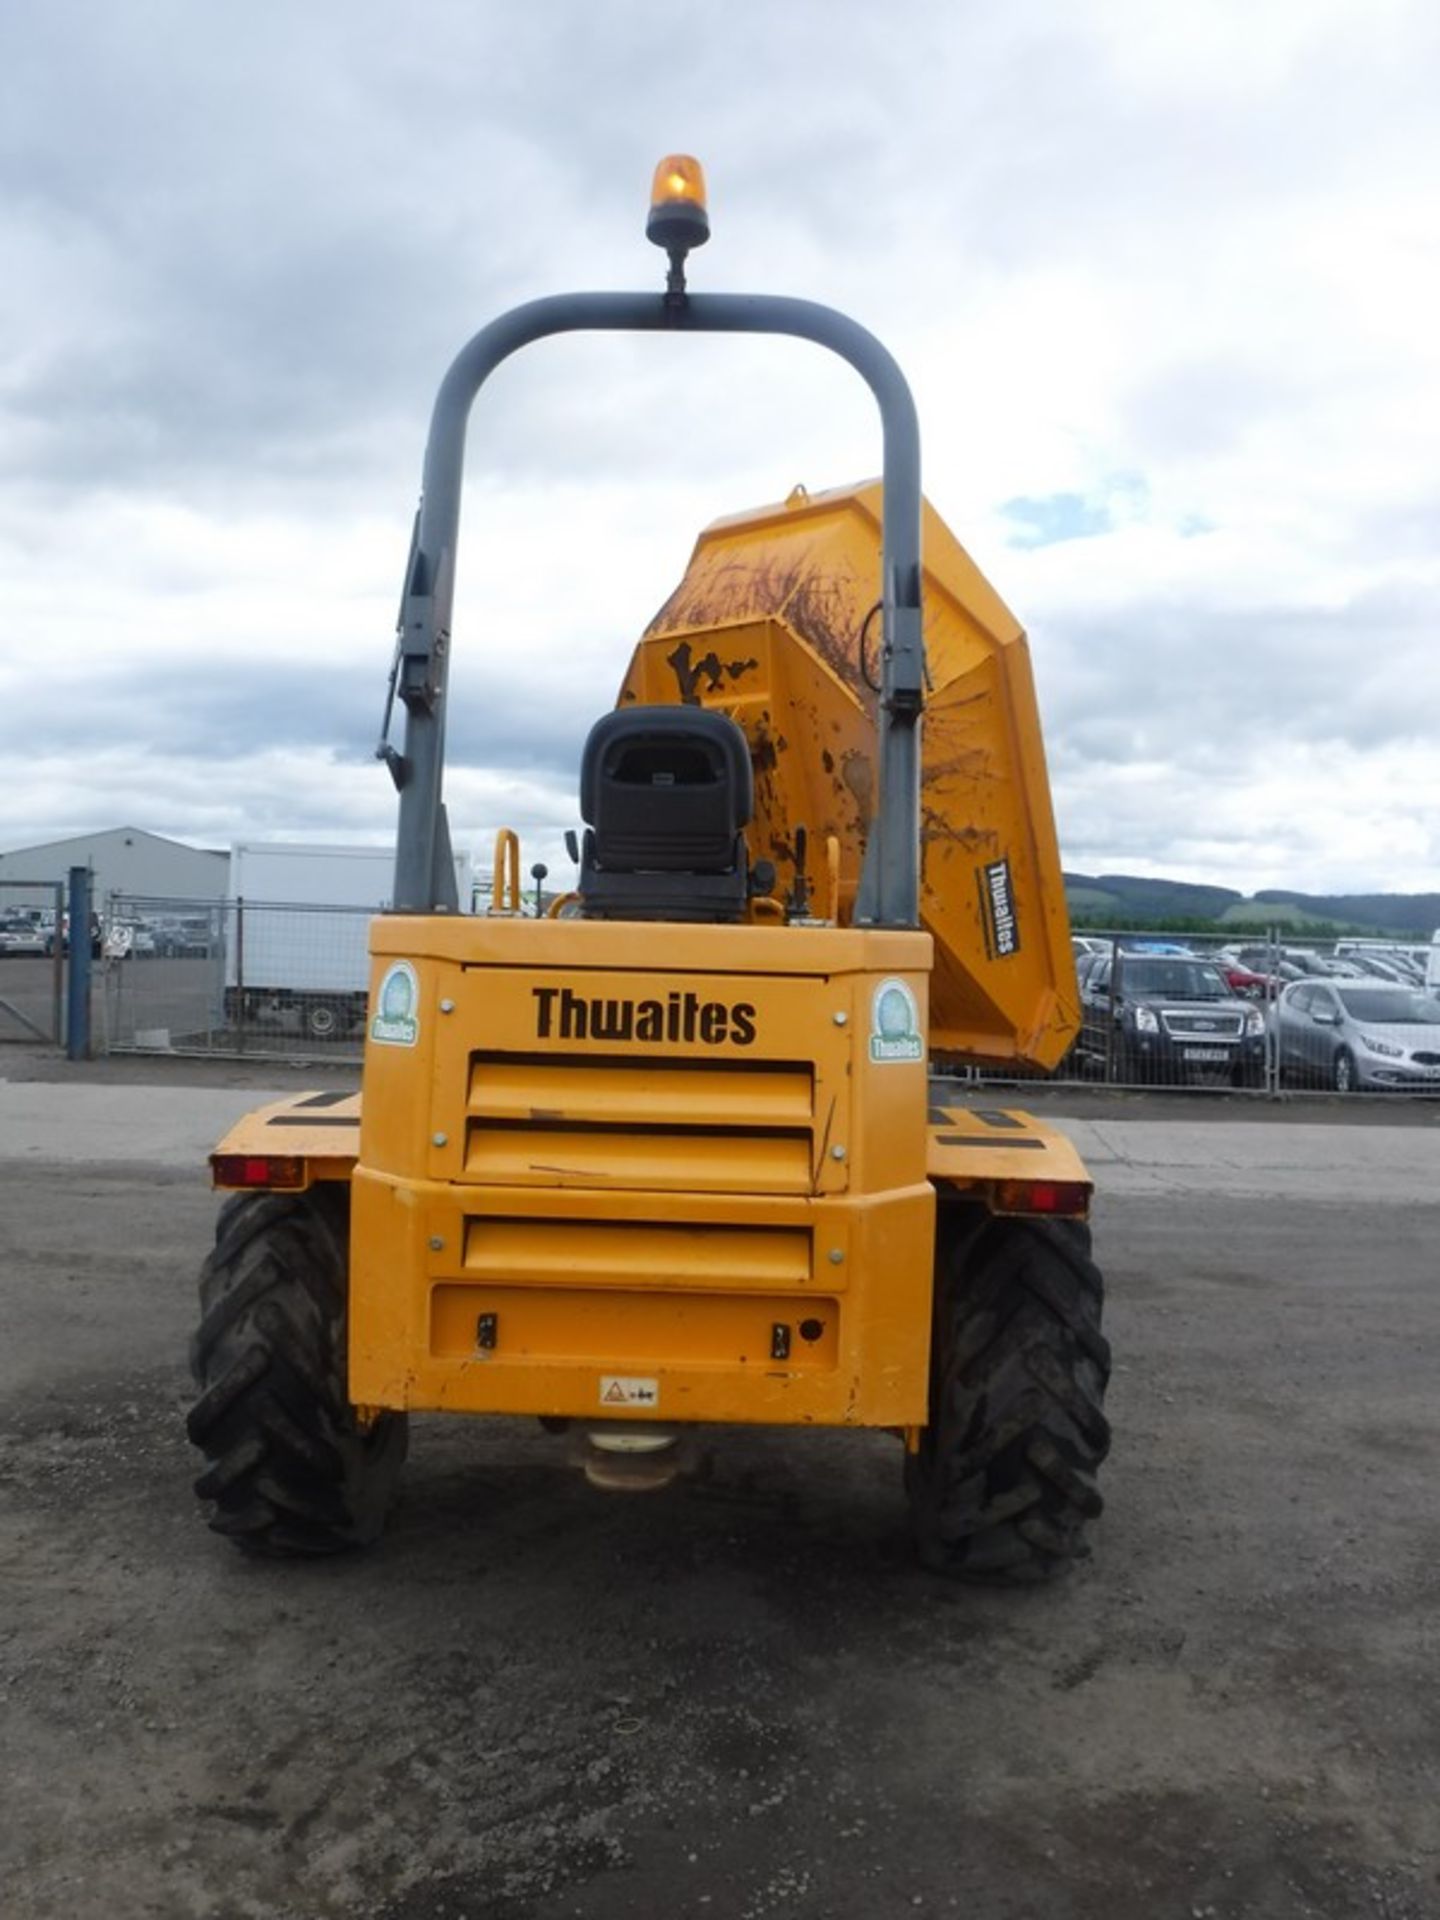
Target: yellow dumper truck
[689, 1150]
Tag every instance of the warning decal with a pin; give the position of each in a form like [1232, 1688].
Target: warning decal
[895, 1023]
[397, 1007]
[623, 1390]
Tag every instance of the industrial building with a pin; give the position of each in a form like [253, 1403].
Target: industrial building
[121, 860]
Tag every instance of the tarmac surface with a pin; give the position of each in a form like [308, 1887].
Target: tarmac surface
[738, 1698]
[1245, 1148]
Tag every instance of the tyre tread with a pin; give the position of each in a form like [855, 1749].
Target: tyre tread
[290, 1472]
[1005, 1479]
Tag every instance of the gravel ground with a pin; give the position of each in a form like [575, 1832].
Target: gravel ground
[736, 1698]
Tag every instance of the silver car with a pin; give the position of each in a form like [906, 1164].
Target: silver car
[1349, 1034]
[21, 936]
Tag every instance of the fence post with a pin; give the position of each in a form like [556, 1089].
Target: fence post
[77, 1023]
[1272, 1017]
[239, 974]
[57, 968]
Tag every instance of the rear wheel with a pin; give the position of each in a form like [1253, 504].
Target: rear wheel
[1342, 1072]
[326, 1019]
[1005, 1477]
[291, 1471]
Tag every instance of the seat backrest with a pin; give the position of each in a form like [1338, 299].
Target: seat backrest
[666, 790]
[666, 793]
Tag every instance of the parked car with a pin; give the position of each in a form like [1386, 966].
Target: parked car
[1273, 962]
[1352, 1034]
[1170, 1018]
[1383, 967]
[1404, 960]
[20, 935]
[1244, 980]
[1316, 965]
[184, 937]
[1086, 963]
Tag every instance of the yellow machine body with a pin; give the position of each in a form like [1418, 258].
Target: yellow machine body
[656, 1171]
[628, 1171]
[766, 626]
[734, 1224]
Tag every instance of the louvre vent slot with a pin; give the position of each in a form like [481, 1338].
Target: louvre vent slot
[658, 1125]
[509, 1248]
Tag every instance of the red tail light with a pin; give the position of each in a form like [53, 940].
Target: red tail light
[1068, 1198]
[257, 1170]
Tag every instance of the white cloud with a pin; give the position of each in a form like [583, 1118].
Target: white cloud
[1183, 268]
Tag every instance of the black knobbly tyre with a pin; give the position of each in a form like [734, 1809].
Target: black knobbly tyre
[291, 1470]
[1005, 1478]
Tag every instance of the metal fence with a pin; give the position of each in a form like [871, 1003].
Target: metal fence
[32, 961]
[234, 977]
[1269, 1014]
[1158, 1010]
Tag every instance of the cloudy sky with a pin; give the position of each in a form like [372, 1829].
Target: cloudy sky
[1166, 283]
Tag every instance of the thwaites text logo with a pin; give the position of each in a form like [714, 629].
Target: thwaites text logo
[678, 1019]
[997, 910]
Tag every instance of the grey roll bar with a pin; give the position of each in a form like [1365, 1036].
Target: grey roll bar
[424, 873]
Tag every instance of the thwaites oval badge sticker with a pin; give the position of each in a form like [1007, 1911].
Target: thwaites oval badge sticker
[895, 1024]
[397, 1011]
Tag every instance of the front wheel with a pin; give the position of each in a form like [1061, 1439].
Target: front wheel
[1342, 1072]
[1004, 1480]
[291, 1469]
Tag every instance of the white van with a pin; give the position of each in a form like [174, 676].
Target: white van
[1432, 963]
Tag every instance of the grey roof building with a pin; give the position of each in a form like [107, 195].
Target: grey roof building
[122, 860]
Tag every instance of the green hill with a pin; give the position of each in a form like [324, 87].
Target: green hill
[1120, 900]
[1406, 915]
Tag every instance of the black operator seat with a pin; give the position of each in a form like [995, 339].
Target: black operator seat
[665, 794]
